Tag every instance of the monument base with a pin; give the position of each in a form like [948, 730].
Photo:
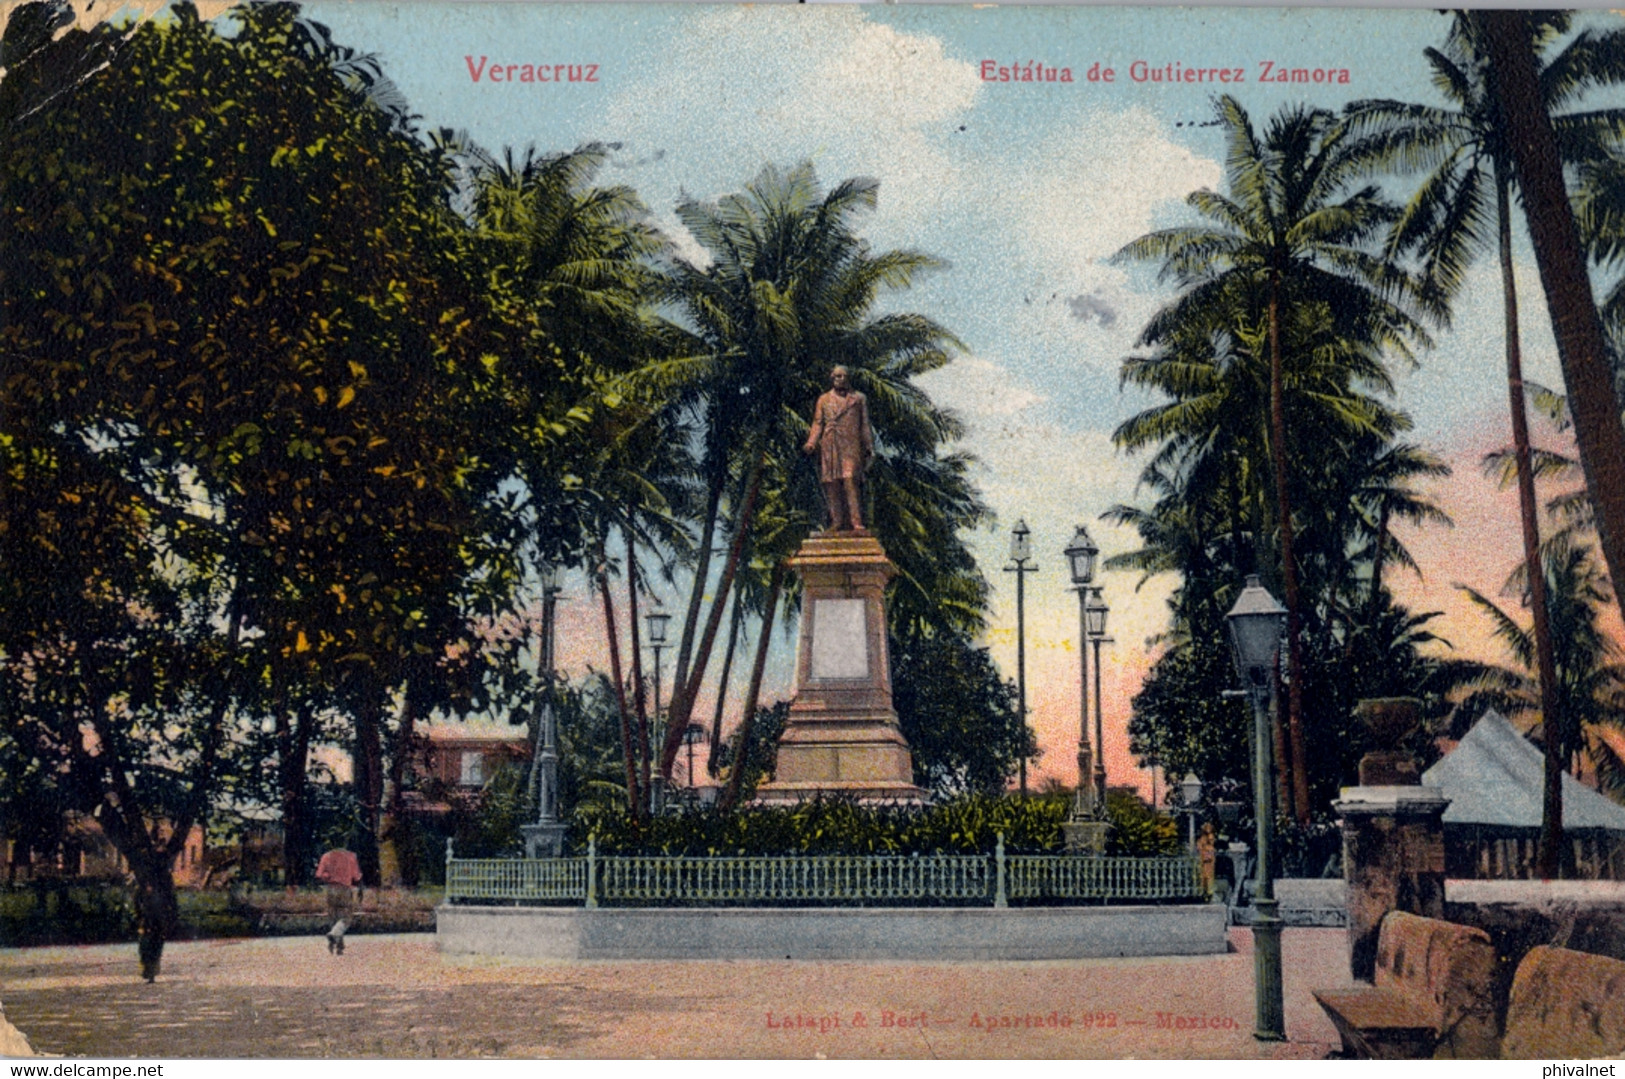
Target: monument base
[543, 840]
[1085, 836]
[874, 793]
[842, 736]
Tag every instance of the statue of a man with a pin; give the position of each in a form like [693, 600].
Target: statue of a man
[845, 445]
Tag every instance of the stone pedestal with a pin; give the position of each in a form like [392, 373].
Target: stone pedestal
[544, 840]
[1393, 859]
[842, 734]
[1085, 836]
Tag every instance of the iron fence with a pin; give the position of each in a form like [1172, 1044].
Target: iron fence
[938, 879]
[1062, 876]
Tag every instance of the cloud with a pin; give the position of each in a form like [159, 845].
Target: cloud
[978, 388]
[1092, 306]
[749, 86]
[1104, 183]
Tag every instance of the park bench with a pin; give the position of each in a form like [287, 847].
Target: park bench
[1431, 994]
[1566, 1004]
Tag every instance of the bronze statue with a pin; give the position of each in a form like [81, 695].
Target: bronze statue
[845, 445]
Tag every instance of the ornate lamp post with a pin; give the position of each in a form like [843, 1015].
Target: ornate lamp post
[545, 838]
[1080, 560]
[1256, 622]
[1086, 830]
[1095, 615]
[1021, 552]
[656, 620]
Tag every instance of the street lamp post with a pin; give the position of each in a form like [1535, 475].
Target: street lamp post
[694, 732]
[1190, 793]
[1080, 559]
[546, 836]
[656, 620]
[1095, 614]
[1255, 623]
[1021, 552]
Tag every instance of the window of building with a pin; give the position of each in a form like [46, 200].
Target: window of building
[473, 772]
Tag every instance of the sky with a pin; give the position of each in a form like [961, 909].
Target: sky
[1025, 190]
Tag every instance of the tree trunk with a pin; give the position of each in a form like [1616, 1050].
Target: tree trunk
[715, 741]
[628, 747]
[1575, 322]
[293, 751]
[702, 573]
[754, 693]
[685, 694]
[1294, 778]
[150, 859]
[369, 777]
[157, 912]
[1545, 662]
[397, 830]
[640, 705]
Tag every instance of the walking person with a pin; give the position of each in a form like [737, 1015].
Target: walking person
[340, 870]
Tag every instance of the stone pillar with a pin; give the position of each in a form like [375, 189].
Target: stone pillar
[1393, 831]
[842, 734]
[545, 838]
[1393, 859]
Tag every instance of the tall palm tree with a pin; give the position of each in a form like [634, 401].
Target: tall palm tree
[1582, 346]
[598, 464]
[789, 292]
[1466, 155]
[1288, 233]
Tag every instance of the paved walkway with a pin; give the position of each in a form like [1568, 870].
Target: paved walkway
[396, 996]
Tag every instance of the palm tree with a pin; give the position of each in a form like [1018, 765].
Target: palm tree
[1208, 517]
[1582, 347]
[788, 293]
[1466, 153]
[1287, 234]
[1590, 684]
[597, 463]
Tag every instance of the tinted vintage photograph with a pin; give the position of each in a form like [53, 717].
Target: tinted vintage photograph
[790, 531]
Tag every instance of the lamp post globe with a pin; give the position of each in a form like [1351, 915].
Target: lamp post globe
[1190, 795]
[1080, 557]
[1021, 546]
[1096, 612]
[1255, 624]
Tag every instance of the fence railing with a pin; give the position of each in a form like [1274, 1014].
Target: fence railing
[1062, 876]
[938, 879]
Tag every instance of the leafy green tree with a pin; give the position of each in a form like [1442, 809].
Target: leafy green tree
[241, 353]
[958, 713]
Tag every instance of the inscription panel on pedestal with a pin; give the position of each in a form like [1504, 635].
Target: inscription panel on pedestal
[840, 639]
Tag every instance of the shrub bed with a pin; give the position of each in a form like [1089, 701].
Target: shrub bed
[968, 825]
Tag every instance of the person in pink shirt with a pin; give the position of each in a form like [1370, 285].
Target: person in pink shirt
[340, 870]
